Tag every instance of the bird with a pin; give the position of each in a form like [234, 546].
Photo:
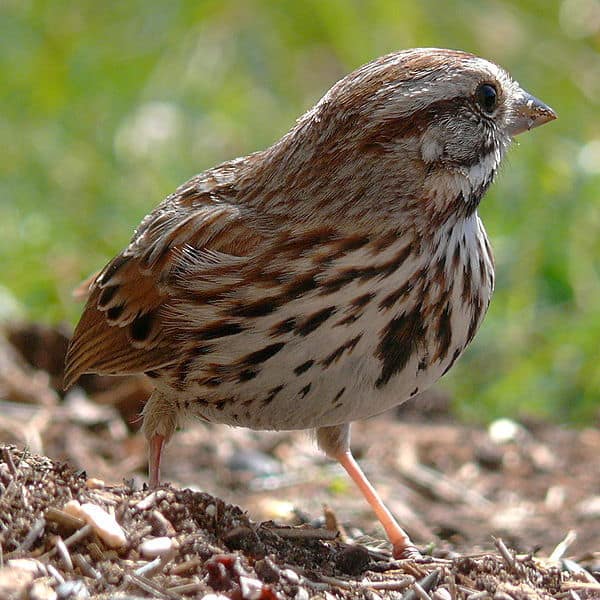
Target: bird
[325, 279]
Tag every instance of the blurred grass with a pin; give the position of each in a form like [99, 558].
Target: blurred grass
[105, 108]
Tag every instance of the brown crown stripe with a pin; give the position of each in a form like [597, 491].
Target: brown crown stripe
[391, 130]
[398, 344]
[315, 320]
[337, 353]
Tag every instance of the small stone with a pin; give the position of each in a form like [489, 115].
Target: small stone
[153, 547]
[40, 590]
[441, 594]
[104, 524]
[72, 590]
[589, 508]
[503, 431]
[35, 567]
[291, 576]
[14, 582]
[211, 510]
[254, 462]
[94, 484]
[302, 594]
[251, 588]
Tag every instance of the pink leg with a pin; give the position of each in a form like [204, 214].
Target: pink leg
[155, 446]
[402, 546]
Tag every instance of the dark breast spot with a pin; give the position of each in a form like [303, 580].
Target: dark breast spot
[259, 308]
[443, 334]
[338, 352]
[219, 329]
[315, 320]
[305, 366]
[362, 300]
[272, 395]
[260, 356]
[304, 391]
[247, 375]
[399, 341]
[452, 360]
[282, 327]
[336, 398]
[393, 297]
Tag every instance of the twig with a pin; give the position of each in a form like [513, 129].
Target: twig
[8, 459]
[34, 533]
[303, 534]
[73, 539]
[508, 557]
[563, 546]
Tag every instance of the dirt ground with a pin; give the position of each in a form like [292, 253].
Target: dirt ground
[511, 511]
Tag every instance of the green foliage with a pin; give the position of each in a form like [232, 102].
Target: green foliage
[106, 107]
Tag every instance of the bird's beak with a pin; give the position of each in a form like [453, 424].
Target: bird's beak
[528, 112]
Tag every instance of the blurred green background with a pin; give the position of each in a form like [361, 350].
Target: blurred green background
[106, 107]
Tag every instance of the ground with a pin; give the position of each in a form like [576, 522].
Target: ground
[508, 511]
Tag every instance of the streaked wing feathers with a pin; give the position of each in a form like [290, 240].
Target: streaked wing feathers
[176, 249]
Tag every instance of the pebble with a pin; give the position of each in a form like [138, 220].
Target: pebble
[94, 484]
[40, 590]
[154, 547]
[251, 588]
[211, 510]
[503, 431]
[291, 576]
[589, 508]
[104, 524]
[72, 590]
[35, 567]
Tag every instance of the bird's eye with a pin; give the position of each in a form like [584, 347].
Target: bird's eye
[487, 97]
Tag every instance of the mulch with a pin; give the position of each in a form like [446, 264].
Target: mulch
[511, 511]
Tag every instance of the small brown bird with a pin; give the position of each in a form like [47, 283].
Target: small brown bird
[326, 279]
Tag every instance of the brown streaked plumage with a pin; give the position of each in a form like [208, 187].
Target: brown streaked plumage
[325, 279]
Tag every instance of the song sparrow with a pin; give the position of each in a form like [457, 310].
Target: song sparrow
[326, 279]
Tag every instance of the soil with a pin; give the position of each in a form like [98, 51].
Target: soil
[507, 511]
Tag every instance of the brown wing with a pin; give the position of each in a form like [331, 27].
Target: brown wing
[122, 329]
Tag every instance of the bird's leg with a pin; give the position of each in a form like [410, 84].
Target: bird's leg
[160, 418]
[335, 441]
[155, 447]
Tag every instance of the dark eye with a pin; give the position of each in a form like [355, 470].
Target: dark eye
[487, 97]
